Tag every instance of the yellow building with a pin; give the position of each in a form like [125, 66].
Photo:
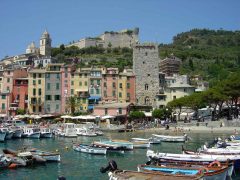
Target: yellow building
[36, 91]
[79, 87]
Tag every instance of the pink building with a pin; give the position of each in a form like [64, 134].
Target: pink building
[109, 84]
[112, 109]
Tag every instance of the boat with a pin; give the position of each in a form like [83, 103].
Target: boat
[111, 147]
[151, 140]
[116, 174]
[195, 157]
[213, 151]
[45, 132]
[98, 132]
[68, 130]
[165, 138]
[31, 132]
[2, 136]
[4, 161]
[127, 144]
[88, 133]
[89, 149]
[9, 133]
[210, 172]
[48, 156]
[79, 131]
[17, 131]
[141, 145]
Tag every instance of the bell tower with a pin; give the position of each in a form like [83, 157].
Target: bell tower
[45, 44]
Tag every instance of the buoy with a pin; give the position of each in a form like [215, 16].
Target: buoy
[12, 166]
[66, 147]
[56, 150]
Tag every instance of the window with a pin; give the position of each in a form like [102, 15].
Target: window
[39, 92]
[48, 107]
[34, 82]
[48, 97]
[119, 110]
[120, 85]
[40, 108]
[98, 82]
[106, 111]
[97, 91]
[105, 84]
[3, 106]
[18, 89]
[84, 100]
[148, 75]
[128, 95]
[47, 75]
[146, 86]
[57, 97]
[57, 106]
[39, 81]
[57, 86]
[8, 80]
[114, 85]
[92, 91]
[34, 109]
[85, 83]
[114, 93]
[3, 96]
[120, 94]
[128, 85]
[34, 91]
[185, 90]
[105, 93]
[72, 91]
[92, 82]
[48, 86]
[146, 53]
[39, 75]
[34, 75]
[58, 76]
[72, 83]
[174, 97]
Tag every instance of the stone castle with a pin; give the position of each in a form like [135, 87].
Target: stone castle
[123, 38]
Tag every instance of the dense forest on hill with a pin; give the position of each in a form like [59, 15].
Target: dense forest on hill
[214, 54]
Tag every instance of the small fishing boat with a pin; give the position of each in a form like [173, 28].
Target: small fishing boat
[88, 133]
[89, 149]
[111, 147]
[17, 131]
[45, 132]
[48, 156]
[9, 133]
[98, 132]
[127, 144]
[165, 138]
[2, 136]
[151, 140]
[195, 157]
[210, 172]
[31, 132]
[115, 174]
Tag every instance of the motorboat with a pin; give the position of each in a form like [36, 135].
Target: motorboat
[89, 149]
[31, 132]
[17, 131]
[68, 130]
[49, 156]
[127, 144]
[111, 147]
[45, 132]
[2, 135]
[165, 138]
[9, 133]
[141, 144]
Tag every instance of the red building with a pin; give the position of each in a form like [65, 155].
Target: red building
[19, 95]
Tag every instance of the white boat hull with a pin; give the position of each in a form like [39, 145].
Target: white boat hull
[34, 135]
[9, 135]
[164, 138]
[90, 150]
[141, 145]
[46, 135]
[17, 134]
[2, 136]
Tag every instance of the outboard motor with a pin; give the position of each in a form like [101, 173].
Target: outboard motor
[112, 166]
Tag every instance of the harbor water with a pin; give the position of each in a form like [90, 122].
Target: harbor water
[76, 165]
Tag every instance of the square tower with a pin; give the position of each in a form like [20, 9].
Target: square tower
[146, 70]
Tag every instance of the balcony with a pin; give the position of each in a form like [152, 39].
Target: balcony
[13, 108]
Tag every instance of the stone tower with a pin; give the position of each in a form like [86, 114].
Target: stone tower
[45, 44]
[145, 67]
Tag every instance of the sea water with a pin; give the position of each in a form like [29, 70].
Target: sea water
[77, 165]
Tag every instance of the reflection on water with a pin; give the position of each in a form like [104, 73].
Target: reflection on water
[76, 165]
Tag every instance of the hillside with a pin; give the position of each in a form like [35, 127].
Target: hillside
[210, 53]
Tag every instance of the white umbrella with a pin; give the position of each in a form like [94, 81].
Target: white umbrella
[89, 117]
[66, 116]
[77, 117]
[37, 117]
[107, 117]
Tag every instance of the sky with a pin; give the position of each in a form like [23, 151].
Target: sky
[23, 21]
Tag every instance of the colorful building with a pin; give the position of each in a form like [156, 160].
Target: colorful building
[109, 84]
[36, 91]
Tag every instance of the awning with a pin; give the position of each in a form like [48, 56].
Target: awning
[107, 117]
[66, 116]
[94, 97]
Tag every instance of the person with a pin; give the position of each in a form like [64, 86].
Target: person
[167, 127]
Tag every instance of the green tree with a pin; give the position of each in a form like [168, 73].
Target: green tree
[158, 113]
[21, 111]
[135, 115]
[72, 104]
